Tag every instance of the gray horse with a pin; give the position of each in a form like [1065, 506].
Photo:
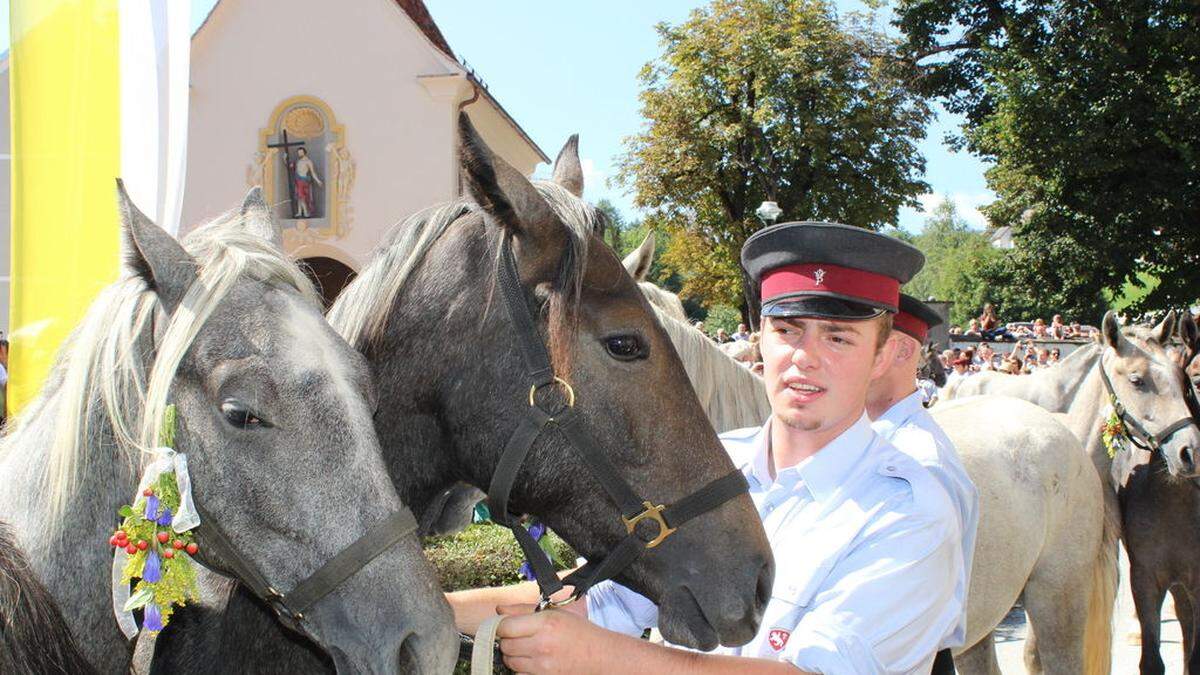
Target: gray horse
[1147, 381]
[274, 415]
[426, 314]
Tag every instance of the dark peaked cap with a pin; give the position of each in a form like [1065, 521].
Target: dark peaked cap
[915, 318]
[828, 270]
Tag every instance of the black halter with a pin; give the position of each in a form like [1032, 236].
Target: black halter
[537, 421]
[1136, 432]
[290, 607]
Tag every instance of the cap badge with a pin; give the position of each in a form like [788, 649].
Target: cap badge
[819, 276]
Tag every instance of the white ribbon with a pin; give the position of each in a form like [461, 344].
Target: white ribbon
[183, 520]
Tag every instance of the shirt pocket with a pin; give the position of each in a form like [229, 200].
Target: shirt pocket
[796, 588]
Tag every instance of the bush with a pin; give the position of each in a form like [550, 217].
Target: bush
[486, 554]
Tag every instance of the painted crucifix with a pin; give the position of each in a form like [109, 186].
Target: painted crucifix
[301, 173]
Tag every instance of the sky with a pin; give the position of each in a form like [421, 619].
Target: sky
[571, 67]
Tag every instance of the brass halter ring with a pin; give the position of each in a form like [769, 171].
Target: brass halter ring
[547, 603]
[653, 513]
[559, 381]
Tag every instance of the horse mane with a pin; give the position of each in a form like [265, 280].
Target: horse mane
[116, 368]
[361, 312]
[663, 300]
[34, 636]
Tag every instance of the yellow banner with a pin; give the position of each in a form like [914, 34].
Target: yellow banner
[65, 105]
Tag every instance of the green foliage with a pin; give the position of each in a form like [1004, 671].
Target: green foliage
[486, 554]
[955, 257]
[769, 99]
[1091, 113]
[722, 316]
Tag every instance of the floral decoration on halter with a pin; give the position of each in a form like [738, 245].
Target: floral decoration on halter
[155, 537]
[1112, 431]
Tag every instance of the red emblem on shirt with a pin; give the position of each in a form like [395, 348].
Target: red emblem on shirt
[778, 638]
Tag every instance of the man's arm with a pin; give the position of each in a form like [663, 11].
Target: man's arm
[562, 642]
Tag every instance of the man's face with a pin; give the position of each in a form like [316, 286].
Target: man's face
[817, 371]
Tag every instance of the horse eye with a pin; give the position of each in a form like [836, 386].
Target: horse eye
[625, 347]
[1136, 380]
[237, 414]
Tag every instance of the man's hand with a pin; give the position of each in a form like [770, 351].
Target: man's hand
[553, 641]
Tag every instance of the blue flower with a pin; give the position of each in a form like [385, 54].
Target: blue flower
[152, 620]
[537, 530]
[526, 571]
[152, 572]
[152, 507]
[165, 518]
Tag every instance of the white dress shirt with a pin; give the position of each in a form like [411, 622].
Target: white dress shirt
[910, 427]
[867, 559]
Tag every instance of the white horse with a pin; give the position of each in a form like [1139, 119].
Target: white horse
[1041, 530]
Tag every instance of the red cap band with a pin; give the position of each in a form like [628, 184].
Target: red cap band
[816, 278]
[910, 325]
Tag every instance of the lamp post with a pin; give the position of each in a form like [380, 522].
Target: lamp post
[768, 212]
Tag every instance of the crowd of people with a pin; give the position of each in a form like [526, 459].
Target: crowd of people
[989, 327]
[1024, 359]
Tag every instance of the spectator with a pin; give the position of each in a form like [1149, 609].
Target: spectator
[1039, 329]
[955, 330]
[947, 357]
[973, 328]
[990, 326]
[723, 337]
[1055, 354]
[1057, 330]
[742, 333]
[700, 327]
[983, 358]
[1012, 365]
[962, 368]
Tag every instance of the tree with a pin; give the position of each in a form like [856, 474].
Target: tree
[956, 260]
[769, 99]
[1091, 113]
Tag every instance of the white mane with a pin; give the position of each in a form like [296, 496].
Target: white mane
[732, 396]
[107, 374]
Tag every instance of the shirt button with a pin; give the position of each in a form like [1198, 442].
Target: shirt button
[891, 468]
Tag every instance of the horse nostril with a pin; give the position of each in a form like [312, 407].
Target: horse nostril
[409, 661]
[766, 578]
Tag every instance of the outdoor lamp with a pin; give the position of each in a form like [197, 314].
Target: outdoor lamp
[768, 212]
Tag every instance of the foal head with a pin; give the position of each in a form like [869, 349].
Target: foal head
[1152, 386]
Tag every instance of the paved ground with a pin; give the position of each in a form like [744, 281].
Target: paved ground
[1010, 637]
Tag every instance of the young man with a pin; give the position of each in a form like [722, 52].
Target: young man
[896, 406]
[866, 541]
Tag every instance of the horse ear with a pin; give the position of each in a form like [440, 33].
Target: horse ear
[256, 217]
[1165, 329]
[638, 263]
[1110, 331]
[504, 194]
[568, 172]
[152, 254]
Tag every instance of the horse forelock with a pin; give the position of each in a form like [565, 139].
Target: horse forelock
[114, 372]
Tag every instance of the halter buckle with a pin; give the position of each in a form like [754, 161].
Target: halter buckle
[653, 513]
[560, 382]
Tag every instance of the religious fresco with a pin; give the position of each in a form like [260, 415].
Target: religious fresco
[305, 170]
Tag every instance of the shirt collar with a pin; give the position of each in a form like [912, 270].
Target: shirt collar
[825, 471]
[899, 413]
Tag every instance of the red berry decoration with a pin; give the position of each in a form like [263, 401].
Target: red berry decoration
[147, 492]
[177, 544]
[131, 549]
[192, 548]
[121, 536]
[168, 554]
[113, 541]
[142, 544]
[163, 537]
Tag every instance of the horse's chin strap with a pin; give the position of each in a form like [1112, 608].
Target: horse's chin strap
[290, 607]
[566, 421]
[1136, 432]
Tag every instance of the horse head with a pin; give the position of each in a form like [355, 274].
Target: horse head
[932, 367]
[1152, 390]
[467, 389]
[274, 414]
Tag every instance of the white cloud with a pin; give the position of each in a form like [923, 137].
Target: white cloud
[965, 203]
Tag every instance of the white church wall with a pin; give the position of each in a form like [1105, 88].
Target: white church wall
[361, 58]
